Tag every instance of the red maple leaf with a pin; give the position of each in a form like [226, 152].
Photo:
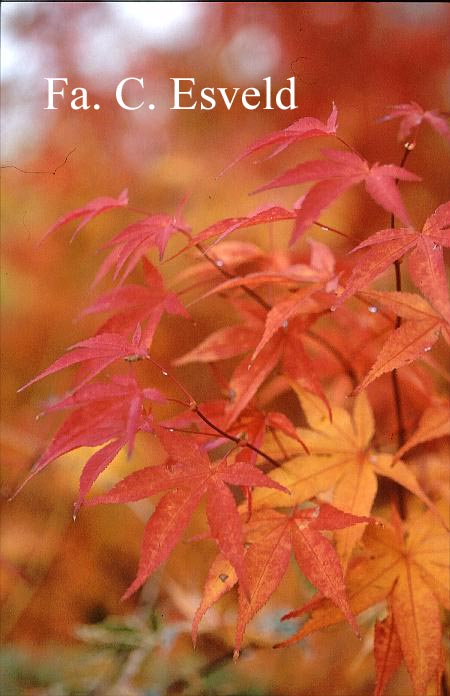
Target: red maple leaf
[274, 334]
[425, 260]
[336, 173]
[188, 476]
[301, 129]
[137, 304]
[222, 228]
[89, 211]
[420, 329]
[97, 352]
[273, 339]
[104, 412]
[271, 537]
[132, 243]
[412, 115]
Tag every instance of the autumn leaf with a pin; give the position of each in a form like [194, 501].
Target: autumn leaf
[188, 476]
[228, 255]
[98, 352]
[412, 115]
[425, 260]
[272, 536]
[132, 243]
[336, 173]
[301, 129]
[413, 572]
[88, 212]
[223, 228]
[222, 344]
[285, 324]
[387, 651]
[340, 459]
[290, 276]
[248, 377]
[266, 491]
[418, 332]
[137, 304]
[220, 579]
[108, 412]
[284, 347]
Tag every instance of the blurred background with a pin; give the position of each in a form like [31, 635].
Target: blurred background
[64, 629]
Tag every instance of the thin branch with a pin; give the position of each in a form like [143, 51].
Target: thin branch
[48, 171]
[398, 286]
[166, 373]
[401, 430]
[187, 431]
[251, 293]
[239, 441]
[192, 404]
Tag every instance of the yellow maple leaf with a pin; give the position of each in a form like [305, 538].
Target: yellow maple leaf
[341, 458]
[412, 570]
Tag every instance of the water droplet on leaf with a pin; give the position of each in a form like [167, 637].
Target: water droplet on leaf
[223, 577]
[427, 349]
[372, 309]
[165, 373]
[332, 308]
[285, 324]
[219, 263]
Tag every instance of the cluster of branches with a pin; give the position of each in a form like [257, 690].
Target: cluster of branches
[280, 488]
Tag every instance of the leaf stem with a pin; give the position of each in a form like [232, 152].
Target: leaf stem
[235, 438]
[328, 228]
[192, 404]
[348, 146]
[166, 373]
[251, 293]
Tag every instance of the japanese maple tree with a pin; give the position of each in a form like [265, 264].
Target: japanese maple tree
[289, 459]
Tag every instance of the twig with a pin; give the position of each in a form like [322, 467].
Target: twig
[193, 406]
[48, 171]
[251, 293]
[235, 438]
[401, 431]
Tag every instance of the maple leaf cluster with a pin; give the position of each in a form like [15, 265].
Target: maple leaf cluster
[305, 482]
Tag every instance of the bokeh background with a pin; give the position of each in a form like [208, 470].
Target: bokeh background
[64, 630]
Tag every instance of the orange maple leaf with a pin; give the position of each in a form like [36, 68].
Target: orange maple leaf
[411, 569]
[341, 459]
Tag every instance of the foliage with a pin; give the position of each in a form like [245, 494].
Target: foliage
[283, 461]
